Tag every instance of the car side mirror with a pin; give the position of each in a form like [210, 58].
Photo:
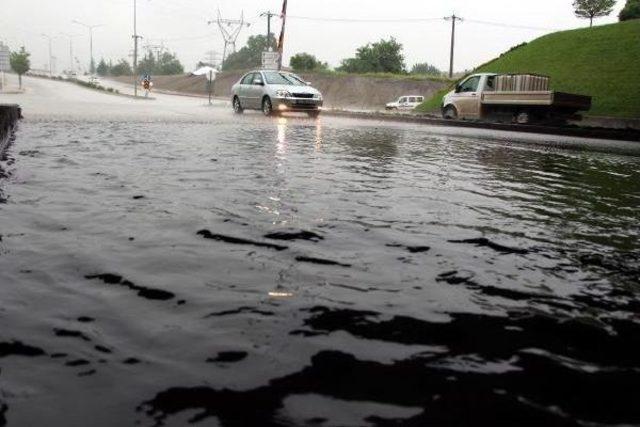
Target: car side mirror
[308, 83]
[458, 88]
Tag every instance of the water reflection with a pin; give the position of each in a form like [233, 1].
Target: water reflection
[395, 276]
[377, 144]
[282, 136]
[583, 199]
[318, 135]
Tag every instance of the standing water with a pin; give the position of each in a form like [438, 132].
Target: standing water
[331, 273]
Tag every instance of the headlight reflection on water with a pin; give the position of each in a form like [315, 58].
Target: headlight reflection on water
[280, 294]
[282, 135]
[283, 127]
[318, 135]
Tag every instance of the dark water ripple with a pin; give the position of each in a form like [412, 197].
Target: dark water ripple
[302, 273]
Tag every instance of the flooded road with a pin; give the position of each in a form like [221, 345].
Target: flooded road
[159, 268]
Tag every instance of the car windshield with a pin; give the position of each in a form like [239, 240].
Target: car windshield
[297, 80]
[274, 78]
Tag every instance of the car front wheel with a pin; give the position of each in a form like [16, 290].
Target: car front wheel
[237, 108]
[267, 107]
[450, 113]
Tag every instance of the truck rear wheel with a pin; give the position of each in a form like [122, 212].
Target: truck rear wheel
[450, 112]
[523, 117]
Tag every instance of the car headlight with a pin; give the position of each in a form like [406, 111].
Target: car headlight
[283, 94]
[317, 96]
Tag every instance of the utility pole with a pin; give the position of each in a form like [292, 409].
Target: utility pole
[453, 18]
[92, 64]
[135, 47]
[50, 55]
[268, 15]
[231, 33]
[283, 16]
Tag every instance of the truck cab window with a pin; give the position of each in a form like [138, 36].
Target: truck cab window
[490, 86]
[470, 85]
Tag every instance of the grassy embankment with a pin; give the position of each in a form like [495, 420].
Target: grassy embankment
[411, 77]
[603, 62]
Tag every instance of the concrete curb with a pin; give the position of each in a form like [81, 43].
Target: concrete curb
[582, 132]
[609, 122]
[9, 115]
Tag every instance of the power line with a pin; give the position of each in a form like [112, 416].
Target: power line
[416, 21]
[188, 38]
[353, 20]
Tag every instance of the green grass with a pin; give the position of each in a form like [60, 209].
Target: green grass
[603, 62]
[434, 103]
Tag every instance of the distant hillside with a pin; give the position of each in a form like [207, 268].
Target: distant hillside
[603, 62]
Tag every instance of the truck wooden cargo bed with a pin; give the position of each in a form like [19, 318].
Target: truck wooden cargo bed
[538, 98]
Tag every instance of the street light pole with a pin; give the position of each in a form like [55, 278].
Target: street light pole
[135, 47]
[50, 55]
[71, 36]
[90, 28]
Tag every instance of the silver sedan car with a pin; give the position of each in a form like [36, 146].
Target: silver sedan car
[275, 92]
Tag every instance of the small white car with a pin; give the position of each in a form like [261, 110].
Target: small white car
[406, 103]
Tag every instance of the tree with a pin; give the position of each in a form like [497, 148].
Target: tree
[593, 8]
[20, 63]
[384, 56]
[307, 62]
[426, 68]
[103, 68]
[122, 68]
[631, 10]
[164, 64]
[147, 64]
[169, 65]
[250, 56]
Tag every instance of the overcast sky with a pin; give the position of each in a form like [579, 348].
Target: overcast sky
[183, 26]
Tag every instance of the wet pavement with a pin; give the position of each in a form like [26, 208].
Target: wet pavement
[165, 262]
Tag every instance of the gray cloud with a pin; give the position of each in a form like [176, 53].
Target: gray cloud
[183, 26]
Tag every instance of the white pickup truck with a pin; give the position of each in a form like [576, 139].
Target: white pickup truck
[513, 98]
